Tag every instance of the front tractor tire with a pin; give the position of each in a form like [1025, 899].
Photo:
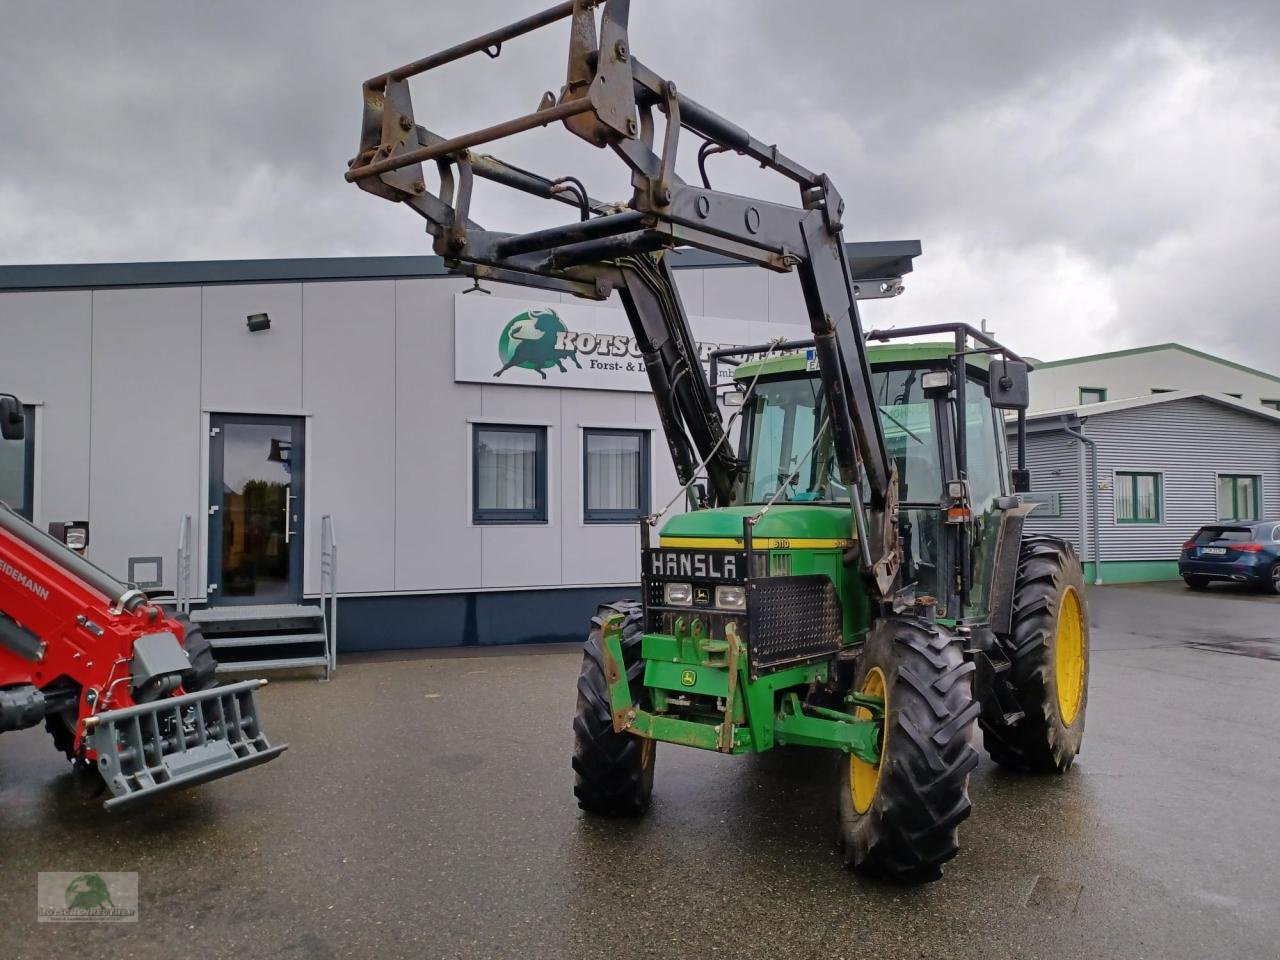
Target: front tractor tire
[613, 772]
[1048, 650]
[899, 818]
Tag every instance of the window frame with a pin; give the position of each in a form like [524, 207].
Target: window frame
[1132, 476]
[1100, 391]
[1270, 404]
[1257, 496]
[26, 509]
[490, 516]
[601, 516]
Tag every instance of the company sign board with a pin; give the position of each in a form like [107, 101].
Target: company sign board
[532, 343]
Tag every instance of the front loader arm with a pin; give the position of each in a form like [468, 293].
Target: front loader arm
[612, 100]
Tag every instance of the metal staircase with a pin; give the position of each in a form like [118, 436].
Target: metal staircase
[255, 638]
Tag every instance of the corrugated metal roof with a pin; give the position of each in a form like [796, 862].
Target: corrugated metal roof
[1131, 403]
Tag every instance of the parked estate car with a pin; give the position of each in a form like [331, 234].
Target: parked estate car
[1239, 552]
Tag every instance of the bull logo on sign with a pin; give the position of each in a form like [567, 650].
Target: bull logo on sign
[530, 341]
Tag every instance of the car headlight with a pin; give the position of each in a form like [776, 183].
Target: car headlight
[677, 594]
[731, 597]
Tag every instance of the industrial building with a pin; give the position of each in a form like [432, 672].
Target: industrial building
[479, 458]
[1182, 438]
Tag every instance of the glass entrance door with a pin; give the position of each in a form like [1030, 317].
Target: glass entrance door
[256, 490]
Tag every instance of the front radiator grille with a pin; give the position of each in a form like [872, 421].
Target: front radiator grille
[792, 620]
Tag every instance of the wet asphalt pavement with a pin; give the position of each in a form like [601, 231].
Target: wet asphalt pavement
[424, 810]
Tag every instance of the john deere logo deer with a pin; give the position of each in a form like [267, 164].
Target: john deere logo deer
[535, 340]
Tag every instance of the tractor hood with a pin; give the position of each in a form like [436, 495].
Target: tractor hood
[797, 526]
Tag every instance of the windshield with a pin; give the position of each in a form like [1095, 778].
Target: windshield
[784, 417]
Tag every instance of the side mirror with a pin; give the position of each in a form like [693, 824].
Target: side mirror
[13, 421]
[1021, 480]
[1008, 384]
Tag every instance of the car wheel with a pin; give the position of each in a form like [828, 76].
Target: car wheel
[1272, 583]
[1197, 583]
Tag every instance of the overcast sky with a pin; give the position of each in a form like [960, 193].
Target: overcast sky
[1086, 176]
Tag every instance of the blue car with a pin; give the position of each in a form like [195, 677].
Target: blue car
[1240, 552]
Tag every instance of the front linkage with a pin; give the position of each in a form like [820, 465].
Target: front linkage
[690, 662]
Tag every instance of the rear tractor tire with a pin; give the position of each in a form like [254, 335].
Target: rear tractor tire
[613, 771]
[899, 818]
[1049, 654]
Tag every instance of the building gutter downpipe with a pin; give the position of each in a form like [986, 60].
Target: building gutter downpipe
[1093, 484]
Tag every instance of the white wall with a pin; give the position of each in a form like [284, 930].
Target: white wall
[1137, 375]
[126, 379]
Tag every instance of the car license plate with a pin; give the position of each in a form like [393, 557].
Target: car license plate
[1214, 551]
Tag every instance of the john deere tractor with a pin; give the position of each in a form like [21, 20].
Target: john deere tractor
[853, 573]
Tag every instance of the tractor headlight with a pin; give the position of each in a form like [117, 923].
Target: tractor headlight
[678, 594]
[731, 597]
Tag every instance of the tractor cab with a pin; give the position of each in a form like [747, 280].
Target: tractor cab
[944, 480]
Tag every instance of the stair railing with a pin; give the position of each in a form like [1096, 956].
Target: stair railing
[329, 589]
[182, 589]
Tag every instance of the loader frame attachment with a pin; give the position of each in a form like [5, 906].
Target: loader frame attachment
[610, 99]
[177, 742]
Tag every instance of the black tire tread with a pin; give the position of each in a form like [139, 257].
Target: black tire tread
[611, 777]
[1039, 741]
[910, 830]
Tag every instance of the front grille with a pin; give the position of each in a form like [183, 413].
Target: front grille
[792, 620]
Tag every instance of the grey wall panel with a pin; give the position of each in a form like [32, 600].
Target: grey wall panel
[251, 372]
[349, 386]
[437, 548]
[786, 300]
[45, 341]
[522, 555]
[742, 294]
[1189, 442]
[146, 439]
[691, 287]
[595, 553]
[1054, 461]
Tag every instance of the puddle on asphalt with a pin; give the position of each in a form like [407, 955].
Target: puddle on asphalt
[1260, 649]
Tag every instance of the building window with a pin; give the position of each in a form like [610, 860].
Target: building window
[17, 469]
[1238, 396]
[615, 475]
[1137, 498]
[1273, 404]
[1161, 390]
[509, 474]
[1093, 394]
[1238, 496]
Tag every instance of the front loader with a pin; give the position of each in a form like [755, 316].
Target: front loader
[127, 693]
[854, 574]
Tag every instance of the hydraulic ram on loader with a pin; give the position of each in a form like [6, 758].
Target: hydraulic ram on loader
[124, 690]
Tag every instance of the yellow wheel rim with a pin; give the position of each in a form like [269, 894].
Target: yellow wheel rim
[864, 778]
[1068, 657]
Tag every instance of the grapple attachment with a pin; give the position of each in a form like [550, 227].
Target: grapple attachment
[179, 742]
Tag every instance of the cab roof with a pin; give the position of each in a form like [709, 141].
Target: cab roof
[879, 354]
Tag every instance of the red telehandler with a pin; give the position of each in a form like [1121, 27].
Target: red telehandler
[127, 693]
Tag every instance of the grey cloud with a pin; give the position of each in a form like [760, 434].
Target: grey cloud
[1085, 175]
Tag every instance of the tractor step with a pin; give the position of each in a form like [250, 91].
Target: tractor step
[178, 742]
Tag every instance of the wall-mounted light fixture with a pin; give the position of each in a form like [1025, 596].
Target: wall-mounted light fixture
[257, 322]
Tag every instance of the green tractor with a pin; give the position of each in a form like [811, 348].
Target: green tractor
[756, 629]
[855, 574]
